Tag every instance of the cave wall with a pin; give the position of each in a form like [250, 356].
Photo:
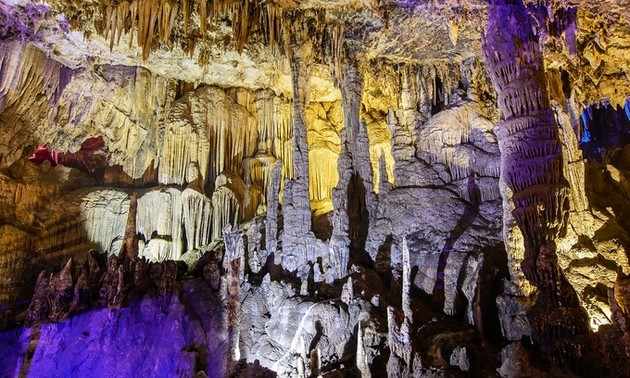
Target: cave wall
[350, 149]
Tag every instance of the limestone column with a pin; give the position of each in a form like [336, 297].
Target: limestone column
[298, 241]
[531, 168]
[354, 200]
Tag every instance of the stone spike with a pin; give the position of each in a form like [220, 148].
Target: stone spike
[129, 249]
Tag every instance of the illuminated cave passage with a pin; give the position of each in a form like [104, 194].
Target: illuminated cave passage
[299, 189]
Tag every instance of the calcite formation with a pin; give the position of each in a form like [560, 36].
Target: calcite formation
[314, 188]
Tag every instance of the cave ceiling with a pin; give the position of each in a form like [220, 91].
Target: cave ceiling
[87, 33]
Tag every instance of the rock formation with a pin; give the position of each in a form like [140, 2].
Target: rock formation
[531, 162]
[348, 188]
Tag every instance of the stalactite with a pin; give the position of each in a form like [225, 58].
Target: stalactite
[156, 19]
[104, 215]
[165, 227]
[226, 203]
[30, 84]
[196, 218]
[334, 49]
[384, 181]
[271, 22]
[182, 146]
[322, 174]
[257, 172]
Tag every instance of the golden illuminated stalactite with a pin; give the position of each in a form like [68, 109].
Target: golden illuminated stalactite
[156, 20]
[271, 22]
[167, 21]
[209, 128]
[232, 203]
[380, 138]
[196, 213]
[274, 116]
[30, 84]
[203, 15]
[133, 14]
[186, 11]
[324, 146]
[334, 48]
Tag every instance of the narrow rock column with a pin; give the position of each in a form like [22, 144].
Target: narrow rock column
[351, 91]
[406, 282]
[233, 262]
[531, 165]
[399, 342]
[352, 211]
[129, 249]
[362, 362]
[298, 240]
[271, 222]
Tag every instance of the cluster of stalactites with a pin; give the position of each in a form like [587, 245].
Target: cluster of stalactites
[27, 77]
[156, 20]
[419, 90]
[21, 68]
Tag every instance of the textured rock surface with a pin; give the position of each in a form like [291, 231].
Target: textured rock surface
[375, 188]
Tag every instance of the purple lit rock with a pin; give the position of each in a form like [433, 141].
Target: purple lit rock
[152, 337]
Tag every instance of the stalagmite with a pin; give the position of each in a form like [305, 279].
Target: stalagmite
[363, 166]
[361, 356]
[347, 291]
[399, 342]
[459, 358]
[406, 282]
[298, 240]
[340, 241]
[234, 264]
[271, 222]
[256, 256]
[351, 87]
